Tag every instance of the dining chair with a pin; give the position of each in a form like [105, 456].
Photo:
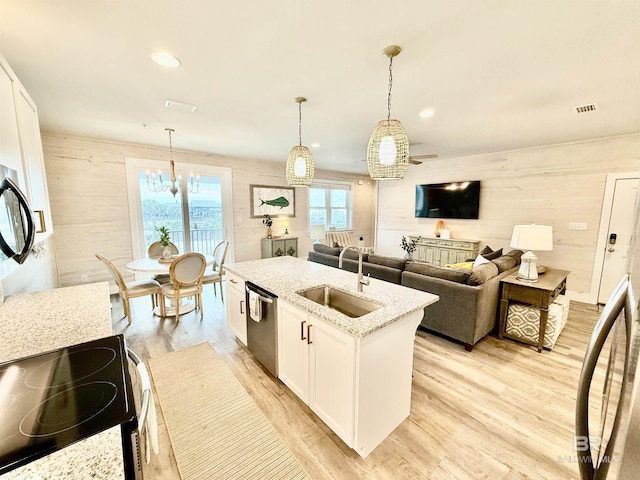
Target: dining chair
[215, 276]
[155, 251]
[186, 281]
[128, 290]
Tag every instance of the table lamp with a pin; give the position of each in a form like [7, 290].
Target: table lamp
[531, 237]
[317, 233]
[285, 224]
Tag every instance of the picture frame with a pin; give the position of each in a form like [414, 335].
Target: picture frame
[275, 201]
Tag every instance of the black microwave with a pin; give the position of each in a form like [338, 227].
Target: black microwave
[16, 223]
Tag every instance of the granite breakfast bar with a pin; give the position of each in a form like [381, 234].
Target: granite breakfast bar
[354, 372]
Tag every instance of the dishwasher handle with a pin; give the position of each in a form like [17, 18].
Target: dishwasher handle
[260, 297]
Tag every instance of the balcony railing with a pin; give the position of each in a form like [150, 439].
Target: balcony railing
[202, 240]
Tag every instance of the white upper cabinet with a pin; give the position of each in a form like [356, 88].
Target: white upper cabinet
[21, 147]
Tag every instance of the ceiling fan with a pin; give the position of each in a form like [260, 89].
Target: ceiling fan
[415, 159]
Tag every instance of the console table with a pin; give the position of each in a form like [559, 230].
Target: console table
[441, 251]
[277, 247]
[538, 294]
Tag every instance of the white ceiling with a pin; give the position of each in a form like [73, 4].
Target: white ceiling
[500, 74]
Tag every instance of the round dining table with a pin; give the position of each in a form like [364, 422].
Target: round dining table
[151, 266]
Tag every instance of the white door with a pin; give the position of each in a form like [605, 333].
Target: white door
[618, 239]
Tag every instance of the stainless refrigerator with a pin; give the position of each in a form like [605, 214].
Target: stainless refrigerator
[607, 433]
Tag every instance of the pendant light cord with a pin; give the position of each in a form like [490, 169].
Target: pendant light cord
[390, 83]
[300, 122]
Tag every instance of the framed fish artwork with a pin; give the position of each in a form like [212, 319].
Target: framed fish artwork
[275, 201]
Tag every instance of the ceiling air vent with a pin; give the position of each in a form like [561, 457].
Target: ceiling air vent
[592, 107]
[185, 107]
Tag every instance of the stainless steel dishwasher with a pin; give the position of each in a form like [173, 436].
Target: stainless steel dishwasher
[262, 326]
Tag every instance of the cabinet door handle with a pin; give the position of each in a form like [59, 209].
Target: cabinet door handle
[43, 227]
[302, 337]
[233, 281]
[309, 342]
[241, 304]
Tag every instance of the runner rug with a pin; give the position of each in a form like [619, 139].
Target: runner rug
[215, 428]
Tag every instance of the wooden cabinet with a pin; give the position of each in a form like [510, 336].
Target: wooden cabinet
[440, 251]
[277, 247]
[317, 362]
[236, 307]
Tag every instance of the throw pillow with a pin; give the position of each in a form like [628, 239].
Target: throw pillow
[481, 274]
[486, 250]
[335, 245]
[322, 248]
[479, 261]
[459, 275]
[515, 254]
[492, 255]
[468, 265]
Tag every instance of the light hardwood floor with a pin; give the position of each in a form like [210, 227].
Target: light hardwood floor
[502, 411]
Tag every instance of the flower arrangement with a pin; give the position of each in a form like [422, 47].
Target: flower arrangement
[164, 235]
[267, 220]
[409, 246]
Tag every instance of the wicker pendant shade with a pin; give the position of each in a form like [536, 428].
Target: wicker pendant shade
[388, 148]
[300, 168]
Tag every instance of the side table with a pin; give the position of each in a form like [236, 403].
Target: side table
[538, 294]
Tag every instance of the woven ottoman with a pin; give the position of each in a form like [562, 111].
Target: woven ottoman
[523, 321]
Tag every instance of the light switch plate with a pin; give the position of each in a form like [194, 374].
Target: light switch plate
[577, 226]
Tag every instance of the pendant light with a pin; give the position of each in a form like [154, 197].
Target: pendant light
[388, 148]
[299, 167]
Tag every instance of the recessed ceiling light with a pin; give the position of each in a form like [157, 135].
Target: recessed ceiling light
[315, 145]
[427, 113]
[176, 105]
[165, 59]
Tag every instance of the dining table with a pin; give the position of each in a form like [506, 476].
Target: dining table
[147, 267]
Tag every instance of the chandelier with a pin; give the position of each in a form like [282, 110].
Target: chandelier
[299, 168]
[158, 184]
[388, 148]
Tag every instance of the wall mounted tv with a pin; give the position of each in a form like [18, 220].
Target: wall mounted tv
[448, 200]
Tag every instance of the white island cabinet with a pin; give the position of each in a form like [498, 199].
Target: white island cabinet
[236, 308]
[354, 373]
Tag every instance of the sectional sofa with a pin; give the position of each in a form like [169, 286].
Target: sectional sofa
[468, 305]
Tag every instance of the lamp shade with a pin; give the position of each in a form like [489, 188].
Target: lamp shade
[388, 151]
[316, 232]
[532, 237]
[299, 168]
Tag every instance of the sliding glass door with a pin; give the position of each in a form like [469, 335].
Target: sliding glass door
[198, 217]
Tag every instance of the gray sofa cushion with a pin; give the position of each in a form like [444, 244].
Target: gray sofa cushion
[515, 254]
[398, 263]
[492, 255]
[458, 275]
[504, 263]
[353, 255]
[322, 248]
[482, 273]
[323, 258]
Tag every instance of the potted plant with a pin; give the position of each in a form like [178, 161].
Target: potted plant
[268, 222]
[409, 246]
[165, 241]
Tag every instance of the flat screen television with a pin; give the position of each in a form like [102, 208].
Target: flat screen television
[448, 200]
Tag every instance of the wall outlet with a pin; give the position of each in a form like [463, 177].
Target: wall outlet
[577, 226]
[84, 278]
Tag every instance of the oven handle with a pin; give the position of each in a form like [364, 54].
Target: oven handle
[145, 384]
[260, 297]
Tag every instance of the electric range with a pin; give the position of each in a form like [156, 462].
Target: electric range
[51, 400]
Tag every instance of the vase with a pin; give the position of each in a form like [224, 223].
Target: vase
[166, 253]
[408, 256]
[269, 234]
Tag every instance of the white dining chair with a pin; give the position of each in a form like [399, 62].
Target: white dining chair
[186, 273]
[127, 290]
[214, 276]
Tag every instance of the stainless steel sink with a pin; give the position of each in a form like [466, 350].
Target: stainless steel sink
[341, 301]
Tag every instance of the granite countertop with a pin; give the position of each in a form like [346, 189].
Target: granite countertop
[37, 322]
[284, 276]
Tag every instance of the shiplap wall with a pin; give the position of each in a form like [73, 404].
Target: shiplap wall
[87, 189]
[550, 185]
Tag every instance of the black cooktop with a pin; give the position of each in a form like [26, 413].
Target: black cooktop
[51, 400]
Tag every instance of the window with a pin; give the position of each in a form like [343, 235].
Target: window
[331, 205]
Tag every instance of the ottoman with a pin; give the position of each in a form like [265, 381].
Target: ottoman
[523, 321]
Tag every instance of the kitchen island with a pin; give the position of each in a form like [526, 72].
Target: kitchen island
[354, 371]
[33, 323]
